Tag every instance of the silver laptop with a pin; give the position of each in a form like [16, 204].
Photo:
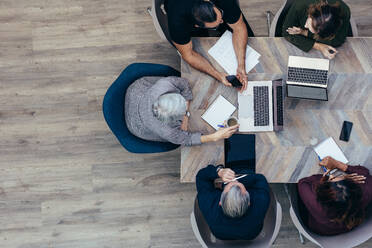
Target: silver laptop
[261, 106]
[307, 78]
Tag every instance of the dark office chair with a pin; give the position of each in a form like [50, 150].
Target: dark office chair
[113, 107]
[353, 238]
[275, 28]
[265, 239]
[160, 19]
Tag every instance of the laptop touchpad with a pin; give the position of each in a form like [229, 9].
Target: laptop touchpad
[246, 106]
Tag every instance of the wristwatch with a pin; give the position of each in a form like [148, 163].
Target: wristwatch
[188, 114]
[219, 167]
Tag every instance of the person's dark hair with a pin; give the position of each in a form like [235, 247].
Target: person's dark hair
[342, 201]
[202, 11]
[326, 19]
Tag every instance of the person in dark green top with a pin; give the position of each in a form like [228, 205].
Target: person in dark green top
[322, 25]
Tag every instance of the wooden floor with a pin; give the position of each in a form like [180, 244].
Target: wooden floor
[64, 179]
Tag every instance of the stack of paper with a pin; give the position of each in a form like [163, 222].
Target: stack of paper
[329, 148]
[219, 111]
[223, 52]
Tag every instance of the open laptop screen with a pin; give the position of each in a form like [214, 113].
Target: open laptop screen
[307, 92]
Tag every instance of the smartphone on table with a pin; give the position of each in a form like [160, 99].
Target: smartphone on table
[346, 131]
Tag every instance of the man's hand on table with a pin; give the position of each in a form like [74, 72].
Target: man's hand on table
[242, 76]
[224, 80]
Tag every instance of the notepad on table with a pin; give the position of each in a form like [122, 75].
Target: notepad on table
[223, 52]
[218, 112]
[329, 148]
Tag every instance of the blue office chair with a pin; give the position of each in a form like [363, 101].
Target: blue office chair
[113, 107]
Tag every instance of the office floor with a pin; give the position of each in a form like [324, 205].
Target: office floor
[64, 179]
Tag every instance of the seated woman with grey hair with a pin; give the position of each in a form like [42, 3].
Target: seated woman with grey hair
[156, 109]
[237, 210]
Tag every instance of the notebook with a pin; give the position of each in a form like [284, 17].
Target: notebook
[329, 148]
[218, 112]
[223, 52]
[240, 152]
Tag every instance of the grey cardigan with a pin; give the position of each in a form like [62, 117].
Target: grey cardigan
[140, 119]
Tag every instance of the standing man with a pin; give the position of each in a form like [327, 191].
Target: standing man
[184, 16]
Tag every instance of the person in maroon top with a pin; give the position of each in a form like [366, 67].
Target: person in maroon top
[335, 204]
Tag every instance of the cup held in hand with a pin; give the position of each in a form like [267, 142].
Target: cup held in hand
[232, 121]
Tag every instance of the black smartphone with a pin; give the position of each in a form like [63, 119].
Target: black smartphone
[234, 81]
[346, 130]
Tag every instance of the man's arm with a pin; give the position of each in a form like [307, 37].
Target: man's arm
[205, 178]
[240, 40]
[199, 62]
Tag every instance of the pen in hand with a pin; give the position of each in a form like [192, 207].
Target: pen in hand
[324, 168]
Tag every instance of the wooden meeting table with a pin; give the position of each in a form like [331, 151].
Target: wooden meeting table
[287, 156]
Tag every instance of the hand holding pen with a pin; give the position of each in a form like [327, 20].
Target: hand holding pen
[236, 178]
[327, 165]
[226, 174]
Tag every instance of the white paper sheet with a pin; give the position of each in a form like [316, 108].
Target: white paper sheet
[329, 148]
[219, 111]
[223, 52]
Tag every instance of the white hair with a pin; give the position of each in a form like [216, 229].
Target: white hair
[169, 108]
[234, 204]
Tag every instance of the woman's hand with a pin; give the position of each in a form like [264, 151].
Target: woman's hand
[328, 51]
[329, 162]
[356, 178]
[297, 30]
[226, 175]
[225, 133]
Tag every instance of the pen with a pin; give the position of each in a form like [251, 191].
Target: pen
[220, 126]
[236, 178]
[324, 168]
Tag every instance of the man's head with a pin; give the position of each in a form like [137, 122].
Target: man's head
[235, 200]
[206, 14]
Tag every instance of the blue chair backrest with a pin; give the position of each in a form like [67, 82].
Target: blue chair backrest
[113, 107]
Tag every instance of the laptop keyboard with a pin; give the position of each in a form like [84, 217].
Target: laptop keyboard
[304, 75]
[261, 105]
[279, 105]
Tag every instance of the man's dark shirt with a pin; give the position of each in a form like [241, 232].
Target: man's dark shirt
[181, 22]
[223, 227]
